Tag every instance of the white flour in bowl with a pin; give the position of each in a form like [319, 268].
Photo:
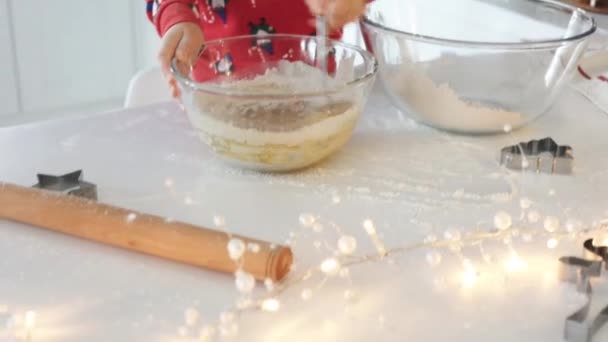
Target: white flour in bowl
[439, 105]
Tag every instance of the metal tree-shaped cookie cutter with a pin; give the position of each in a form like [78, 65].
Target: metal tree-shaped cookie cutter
[543, 155]
[579, 271]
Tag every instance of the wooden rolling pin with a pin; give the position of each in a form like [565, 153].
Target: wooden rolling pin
[139, 232]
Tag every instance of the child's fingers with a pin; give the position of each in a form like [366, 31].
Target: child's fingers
[167, 50]
[339, 11]
[174, 88]
[175, 92]
[345, 11]
[187, 49]
[314, 6]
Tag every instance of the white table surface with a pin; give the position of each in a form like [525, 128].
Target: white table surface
[411, 180]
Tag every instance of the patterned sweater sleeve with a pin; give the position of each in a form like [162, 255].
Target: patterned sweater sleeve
[166, 13]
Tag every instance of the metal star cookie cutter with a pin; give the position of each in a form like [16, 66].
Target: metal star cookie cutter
[543, 155]
[70, 184]
[579, 271]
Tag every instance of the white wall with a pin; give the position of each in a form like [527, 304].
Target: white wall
[145, 36]
[9, 101]
[63, 57]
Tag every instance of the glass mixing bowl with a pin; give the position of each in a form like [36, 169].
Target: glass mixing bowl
[262, 102]
[475, 66]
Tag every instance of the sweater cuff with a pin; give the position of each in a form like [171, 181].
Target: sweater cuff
[174, 13]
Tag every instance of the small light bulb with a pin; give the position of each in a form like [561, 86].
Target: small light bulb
[244, 282]
[307, 219]
[30, 320]
[219, 221]
[347, 244]
[514, 263]
[306, 294]
[253, 247]
[431, 238]
[452, 234]
[433, 258]
[525, 203]
[552, 243]
[533, 216]
[469, 275]
[317, 227]
[236, 248]
[269, 284]
[271, 305]
[502, 220]
[330, 266]
[131, 217]
[551, 224]
[369, 227]
[469, 278]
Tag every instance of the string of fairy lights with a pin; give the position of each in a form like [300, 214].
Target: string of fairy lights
[343, 258]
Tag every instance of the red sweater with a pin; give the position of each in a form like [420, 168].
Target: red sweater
[226, 18]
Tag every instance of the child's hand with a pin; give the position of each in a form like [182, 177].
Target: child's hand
[182, 41]
[338, 12]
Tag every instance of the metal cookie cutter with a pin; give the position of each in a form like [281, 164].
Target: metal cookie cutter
[70, 184]
[543, 155]
[579, 271]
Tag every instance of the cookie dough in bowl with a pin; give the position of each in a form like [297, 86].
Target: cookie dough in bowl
[277, 114]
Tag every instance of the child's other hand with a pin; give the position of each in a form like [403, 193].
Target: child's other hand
[182, 41]
[338, 12]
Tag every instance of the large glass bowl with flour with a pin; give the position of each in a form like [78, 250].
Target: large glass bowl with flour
[271, 103]
[476, 66]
